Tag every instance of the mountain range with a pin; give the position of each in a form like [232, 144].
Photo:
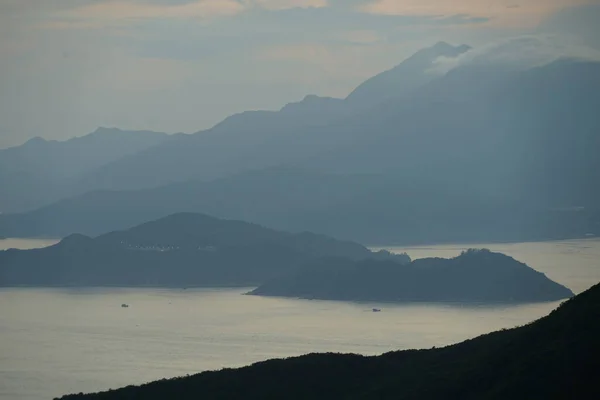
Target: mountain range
[259, 139]
[41, 171]
[412, 155]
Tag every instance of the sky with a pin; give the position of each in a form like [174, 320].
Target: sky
[70, 66]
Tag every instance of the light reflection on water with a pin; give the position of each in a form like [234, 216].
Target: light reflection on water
[24, 244]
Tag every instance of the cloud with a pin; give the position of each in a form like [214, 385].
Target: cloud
[113, 12]
[521, 52]
[360, 36]
[257, 28]
[128, 11]
[120, 13]
[286, 4]
[582, 22]
[501, 13]
[572, 32]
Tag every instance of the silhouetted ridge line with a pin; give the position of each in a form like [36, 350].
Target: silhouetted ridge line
[482, 153]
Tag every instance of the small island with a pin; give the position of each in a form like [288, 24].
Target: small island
[474, 276]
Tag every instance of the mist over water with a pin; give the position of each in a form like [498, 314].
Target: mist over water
[57, 341]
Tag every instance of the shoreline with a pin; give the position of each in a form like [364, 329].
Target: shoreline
[424, 245]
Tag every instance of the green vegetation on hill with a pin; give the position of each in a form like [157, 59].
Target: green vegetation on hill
[555, 357]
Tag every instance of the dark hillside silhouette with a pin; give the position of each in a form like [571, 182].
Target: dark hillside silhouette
[260, 139]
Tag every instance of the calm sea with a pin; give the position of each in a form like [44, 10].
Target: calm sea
[57, 341]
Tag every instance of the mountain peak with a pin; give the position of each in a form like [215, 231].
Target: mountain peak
[442, 46]
[310, 97]
[74, 240]
[101, 130]
[36, 140]
[405, 77]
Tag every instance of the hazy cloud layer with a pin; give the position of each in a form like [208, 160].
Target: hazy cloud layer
[517, 13]
[521, 52]
[580, 23]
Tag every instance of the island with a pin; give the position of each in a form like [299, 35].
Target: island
[197, 250]
[555, 357]
[473, 276]
[181, 250]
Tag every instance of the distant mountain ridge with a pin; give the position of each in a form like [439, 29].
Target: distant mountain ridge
[260, 139]
[368, 208]
[480, 153]
[235, 145]
[108, 144]
[41, 171]
[406, 77]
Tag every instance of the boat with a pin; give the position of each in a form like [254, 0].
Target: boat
[377, 310]
[124, 305]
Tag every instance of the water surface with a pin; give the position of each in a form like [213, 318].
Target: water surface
[57, 341]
